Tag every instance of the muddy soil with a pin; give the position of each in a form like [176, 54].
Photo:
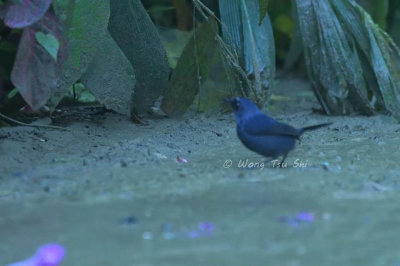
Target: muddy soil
[117, 193]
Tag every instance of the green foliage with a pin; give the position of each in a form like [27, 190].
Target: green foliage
[136, 35]
[115, 50]
[352, 63]
[49, 42]
[84, 29]
[263, 9]
[110, 77]
[192, 69]
[35, 73]
[174, 42]
[252, 42]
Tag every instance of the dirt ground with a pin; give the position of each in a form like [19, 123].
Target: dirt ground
[115, 193]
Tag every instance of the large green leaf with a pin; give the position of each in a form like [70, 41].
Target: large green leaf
[136, 35]
[49, 42]
[110, 77]
[84, 27]
[191, 70]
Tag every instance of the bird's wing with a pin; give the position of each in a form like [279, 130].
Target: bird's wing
[262, 125]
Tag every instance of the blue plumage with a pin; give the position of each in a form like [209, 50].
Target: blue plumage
[263, 134]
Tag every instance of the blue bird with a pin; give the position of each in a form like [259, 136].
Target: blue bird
[263, 134]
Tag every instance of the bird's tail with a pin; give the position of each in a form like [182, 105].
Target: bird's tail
[302, 130]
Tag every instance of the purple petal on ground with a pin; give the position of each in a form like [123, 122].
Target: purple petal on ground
[193, 234]
[206, 227]
[50, 255]
[47, 255]
[23, 13]
[305, 217]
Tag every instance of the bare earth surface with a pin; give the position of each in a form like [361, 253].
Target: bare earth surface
[113, 192]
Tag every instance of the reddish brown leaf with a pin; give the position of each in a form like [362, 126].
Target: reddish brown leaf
[35, 72]
[23, 13]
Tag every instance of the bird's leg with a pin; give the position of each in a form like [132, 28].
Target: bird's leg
[283, 160]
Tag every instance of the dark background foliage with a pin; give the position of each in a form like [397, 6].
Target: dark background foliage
[134, 55]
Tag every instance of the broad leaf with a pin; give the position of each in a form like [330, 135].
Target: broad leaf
[231, 26]
[23, 13]
[192, 69]
[35, 72]
[49, 42]
[136, 35]
[85, 26]
[110, 77]
[258, 41]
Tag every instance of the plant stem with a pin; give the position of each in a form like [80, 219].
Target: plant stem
[30, 125]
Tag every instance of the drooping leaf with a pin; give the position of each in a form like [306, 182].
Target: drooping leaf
[385, 59]
[263, 10]
[85, 26]
[352, 63]
[49, 42]
[23, 13]
[136, 35]
[110, 77]
[35, 72]
[258, 41]
[253, 42]
[222, 82]
[192, 69]
[232, 27]
[332, 59]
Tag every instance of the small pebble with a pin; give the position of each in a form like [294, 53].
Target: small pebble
[147, 235]
[168, 235]
[129, 220]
